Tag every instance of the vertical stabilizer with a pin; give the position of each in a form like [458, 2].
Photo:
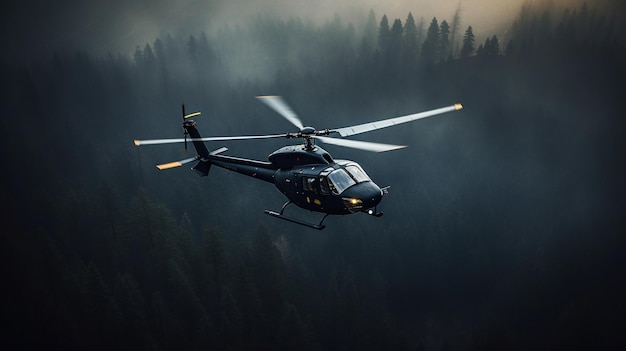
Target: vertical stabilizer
[192, 131]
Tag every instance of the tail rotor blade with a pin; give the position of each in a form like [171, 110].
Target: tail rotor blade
[192, 115]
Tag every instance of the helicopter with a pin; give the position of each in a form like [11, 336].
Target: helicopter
[306, 174]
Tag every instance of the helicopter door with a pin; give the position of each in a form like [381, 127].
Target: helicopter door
[311, 191]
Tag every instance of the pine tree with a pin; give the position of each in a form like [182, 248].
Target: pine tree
[444, 40]
[396, 36]
[148, 56]
[494, 50]
[384, 34]
[159, 52]
[491, 47]
[410, 35]
[468, 43]
[480, 51]
[159, 49]
[429, 49]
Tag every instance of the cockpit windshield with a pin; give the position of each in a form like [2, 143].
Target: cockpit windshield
[341, 179]
[357, 173]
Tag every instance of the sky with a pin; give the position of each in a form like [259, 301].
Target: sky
[34, 27]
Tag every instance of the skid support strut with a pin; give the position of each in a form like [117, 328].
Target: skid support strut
[280, 215]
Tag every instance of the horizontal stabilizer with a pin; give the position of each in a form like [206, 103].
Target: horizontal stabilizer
[218, 151]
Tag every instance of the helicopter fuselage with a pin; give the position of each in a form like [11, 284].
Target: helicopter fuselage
[309, 177]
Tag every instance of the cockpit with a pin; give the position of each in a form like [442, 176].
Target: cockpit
[337, 180]
[343, 187]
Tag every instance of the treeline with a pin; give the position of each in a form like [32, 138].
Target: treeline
[497, 217]
[569, 32]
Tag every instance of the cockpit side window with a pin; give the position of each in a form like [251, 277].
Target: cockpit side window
[309, 184]
[324, 186]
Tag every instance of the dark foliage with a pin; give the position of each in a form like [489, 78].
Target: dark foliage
[503, 229]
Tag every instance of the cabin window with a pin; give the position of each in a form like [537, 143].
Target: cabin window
[339, 180]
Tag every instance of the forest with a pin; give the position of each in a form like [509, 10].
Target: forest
[503, 229]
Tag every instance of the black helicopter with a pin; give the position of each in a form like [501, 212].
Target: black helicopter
[306, 174]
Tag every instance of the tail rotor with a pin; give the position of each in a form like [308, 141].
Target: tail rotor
[185, 116]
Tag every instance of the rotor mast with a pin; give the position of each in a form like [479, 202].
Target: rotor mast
[306, 134]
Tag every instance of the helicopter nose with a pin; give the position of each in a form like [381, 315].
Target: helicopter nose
[363, 196]
[374, 195]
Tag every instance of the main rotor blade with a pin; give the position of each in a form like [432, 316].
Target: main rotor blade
[176, 163]
[368, 127]
[362, 145]
[279, 105]
[220, 138]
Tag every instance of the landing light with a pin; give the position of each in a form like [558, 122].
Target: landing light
[353, 204]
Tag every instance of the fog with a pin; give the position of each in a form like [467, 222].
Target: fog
[38, 29]
[503, 227]
[118, 26]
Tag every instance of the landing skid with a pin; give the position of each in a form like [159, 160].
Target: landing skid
[280, 215]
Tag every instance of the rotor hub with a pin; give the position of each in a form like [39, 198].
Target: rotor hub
[307, 131]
